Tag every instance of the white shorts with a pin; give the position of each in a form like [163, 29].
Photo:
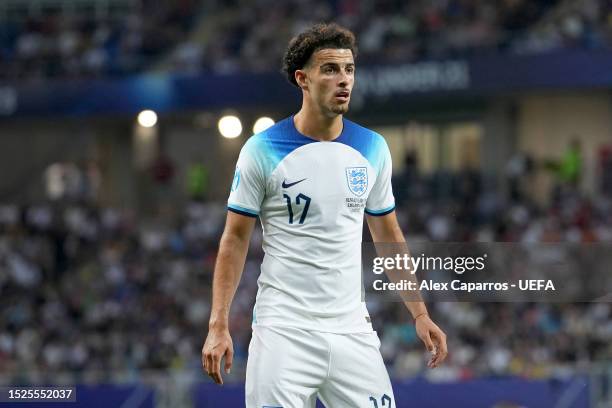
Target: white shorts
[290, 368]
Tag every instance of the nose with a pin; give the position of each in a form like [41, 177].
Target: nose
[344, 79]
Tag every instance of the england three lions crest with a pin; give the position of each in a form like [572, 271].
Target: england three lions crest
[357, 178]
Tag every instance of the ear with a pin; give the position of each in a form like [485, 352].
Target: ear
[301, 79]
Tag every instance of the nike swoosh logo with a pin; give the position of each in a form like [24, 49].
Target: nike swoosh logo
[287, 185]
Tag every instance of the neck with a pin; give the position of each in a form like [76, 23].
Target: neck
[313, 123]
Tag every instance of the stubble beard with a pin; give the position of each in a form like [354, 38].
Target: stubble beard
[340, 109]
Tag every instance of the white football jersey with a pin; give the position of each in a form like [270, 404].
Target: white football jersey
[310, 197]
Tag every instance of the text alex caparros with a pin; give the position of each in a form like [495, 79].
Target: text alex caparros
[459, 265]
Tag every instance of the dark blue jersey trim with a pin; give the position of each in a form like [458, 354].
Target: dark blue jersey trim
[381, 213]
[248, 214]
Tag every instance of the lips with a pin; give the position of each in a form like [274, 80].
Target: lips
[342, 96]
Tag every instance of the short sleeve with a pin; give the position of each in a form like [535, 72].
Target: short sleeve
[381, 200]
[248, 185]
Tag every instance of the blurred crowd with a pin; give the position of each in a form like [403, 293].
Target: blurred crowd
[387, 31]
[78, 45]
[246, 35]
[97, 291]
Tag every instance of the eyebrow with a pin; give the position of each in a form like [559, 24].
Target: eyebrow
[350, 64]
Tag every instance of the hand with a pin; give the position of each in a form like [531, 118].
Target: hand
[218, 344]
[434, 339]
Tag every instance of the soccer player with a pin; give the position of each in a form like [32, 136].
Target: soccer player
[310, 178]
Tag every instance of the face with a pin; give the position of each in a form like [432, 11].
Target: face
[329, 77]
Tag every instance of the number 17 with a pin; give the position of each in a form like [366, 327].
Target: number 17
[297, 202]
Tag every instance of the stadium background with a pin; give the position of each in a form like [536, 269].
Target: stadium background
[498, 116]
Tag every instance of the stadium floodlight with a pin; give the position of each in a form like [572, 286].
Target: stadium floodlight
[230, 126]
[262, 124]
[147, 118]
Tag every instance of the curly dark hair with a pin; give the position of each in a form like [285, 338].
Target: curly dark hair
[319, 36]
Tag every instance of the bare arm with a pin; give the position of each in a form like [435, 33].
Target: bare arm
[386, 229]
[228, 270]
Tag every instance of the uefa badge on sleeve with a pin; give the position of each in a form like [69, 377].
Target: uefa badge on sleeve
[236, 180]
[357, 179]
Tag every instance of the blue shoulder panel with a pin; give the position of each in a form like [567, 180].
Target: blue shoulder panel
[275, 143]
[370, 144]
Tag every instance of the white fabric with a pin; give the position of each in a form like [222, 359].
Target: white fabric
[291, 367]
